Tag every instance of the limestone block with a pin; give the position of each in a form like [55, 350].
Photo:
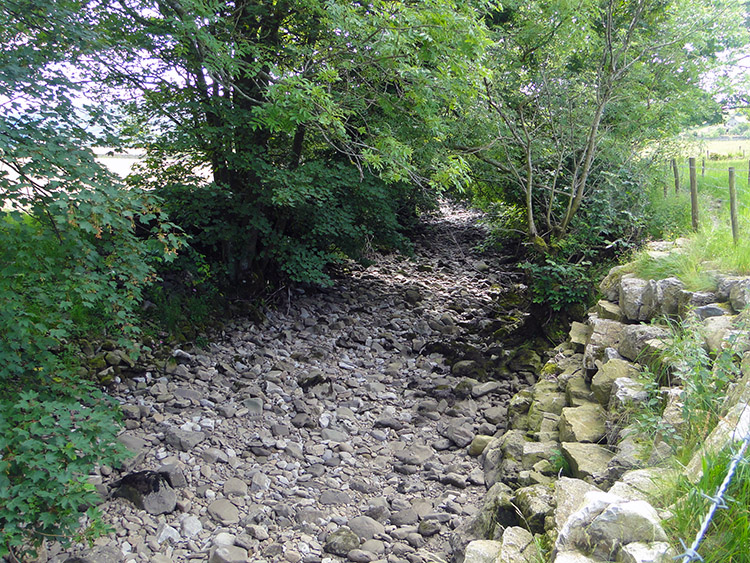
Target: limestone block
[631, 454]
[610, 285]
[715, 330]
[636, 305]
[534, 452]
[574, 557]
[643, 484]
[641, 552]
[730, 429]
[517, 546]
[626, 394]
[587, 461]
[605, 334]
[623, 523]
[601, 383]
[578, 392]
[608, 310]
[496, 513]
[580, 333]
[724, 285]
[663, 296]
[639, 342]
[535, 503]
[739, 294]
[482, 551]
[606, 522]
[586, 423]
[569, 494]
[572, 535]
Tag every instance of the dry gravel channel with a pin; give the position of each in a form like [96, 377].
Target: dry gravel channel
[333, 430]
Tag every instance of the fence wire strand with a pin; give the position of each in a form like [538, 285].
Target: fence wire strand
[717, 501]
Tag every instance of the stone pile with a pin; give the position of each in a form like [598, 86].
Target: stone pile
[345, 426]
[574, 420]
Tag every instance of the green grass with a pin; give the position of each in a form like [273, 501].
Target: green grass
[712, 247]
[728, 536]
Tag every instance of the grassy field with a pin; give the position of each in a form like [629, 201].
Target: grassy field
[720, 148]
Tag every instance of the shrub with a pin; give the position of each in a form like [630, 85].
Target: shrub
[50, 440]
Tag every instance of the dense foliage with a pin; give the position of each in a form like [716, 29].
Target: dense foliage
[70, 263]
[283, 136]
[317, 125]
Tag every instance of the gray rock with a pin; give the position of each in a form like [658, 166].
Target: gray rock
[535, 503]
[601, 384]
[415, 455]
[228, 554]
[235, 487]
[518, 546]
[330, 496]
[605, 334]
[191, 526]
[569, 494]
[360, 556]
[365, 527]
[632, 298]
[460, 432]
[627, 395]
[642, 552]
[148, 490]
[224, 512]
[739, 294]
[482, 551]
[586, 423]
[341, 542]
[174, 475]
[100, 554]
[587, 461]
[184, 440]
[405, 517]
[640, 342]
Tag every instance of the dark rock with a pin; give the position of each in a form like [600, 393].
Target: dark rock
[148, 490]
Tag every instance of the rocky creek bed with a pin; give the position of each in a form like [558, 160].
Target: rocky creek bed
[345, 426]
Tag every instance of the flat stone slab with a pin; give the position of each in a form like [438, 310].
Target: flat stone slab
[587, 461]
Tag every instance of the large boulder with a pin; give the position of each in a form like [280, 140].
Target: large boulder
[663, 296]
[577, 391]
[586, 423]
[535, 503]
[569, 494]
[517, 547]
[610, 285]
[587, 461]
[606, 523]
[605, 334]
[635, 303]
[626, 395]
[642, 342]
[730, 429]
[643, 552]
[739, 294]
[601, 383]
[608, 310]
[482, 551]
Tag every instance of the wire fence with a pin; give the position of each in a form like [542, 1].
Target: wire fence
[739, 196]
[718, 501]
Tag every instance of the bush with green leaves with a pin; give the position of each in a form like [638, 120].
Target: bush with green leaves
[293, 228]
[50, 439]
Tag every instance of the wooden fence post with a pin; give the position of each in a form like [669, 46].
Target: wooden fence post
[694, 194]
[703, 168]
[733, 206]
[676, 176]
